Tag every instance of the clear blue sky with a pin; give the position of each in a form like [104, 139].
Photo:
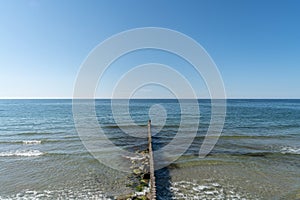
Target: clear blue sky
[255, 43]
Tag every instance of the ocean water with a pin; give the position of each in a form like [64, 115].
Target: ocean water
[256, 157]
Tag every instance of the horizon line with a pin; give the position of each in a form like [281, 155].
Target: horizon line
[67, 98]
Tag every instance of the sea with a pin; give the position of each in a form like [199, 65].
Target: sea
[257, 155]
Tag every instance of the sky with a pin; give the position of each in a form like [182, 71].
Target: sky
[254, 43]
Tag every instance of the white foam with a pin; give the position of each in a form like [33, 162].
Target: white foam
[291, 150]
[134, 158]
[32, 142]
[210, 190]
[142, 193]
[23, 153]
[200, 187]
[56, 194]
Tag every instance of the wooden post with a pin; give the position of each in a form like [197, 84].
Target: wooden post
[151, 163]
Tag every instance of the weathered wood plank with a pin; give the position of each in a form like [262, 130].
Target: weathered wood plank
[151, 163]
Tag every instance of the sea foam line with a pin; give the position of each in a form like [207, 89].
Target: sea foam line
[23, 153]
[191, 190]
[290, 150]
[57, 194]
[31, 142]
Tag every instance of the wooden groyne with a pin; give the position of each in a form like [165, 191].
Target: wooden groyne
[142, 177]
[152, 194]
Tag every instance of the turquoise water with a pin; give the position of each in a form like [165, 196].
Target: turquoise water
[257, 156]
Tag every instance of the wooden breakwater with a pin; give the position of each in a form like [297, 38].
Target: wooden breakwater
[152, 194]
[142, 177]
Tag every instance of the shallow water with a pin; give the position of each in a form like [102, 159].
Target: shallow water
[257, 156]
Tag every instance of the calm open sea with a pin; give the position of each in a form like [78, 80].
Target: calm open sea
[256, 157]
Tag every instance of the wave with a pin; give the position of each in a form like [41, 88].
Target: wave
[162, 135]
[121, 126]
[290, 150]
[165, 126]
[282, 152]
[21, 153]
[11, 142]
[256, 136]
[275, 152]
[32, 142]
[36, 142]
[209, 190]
[269, 127]
[37, 133]
[58, 194]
